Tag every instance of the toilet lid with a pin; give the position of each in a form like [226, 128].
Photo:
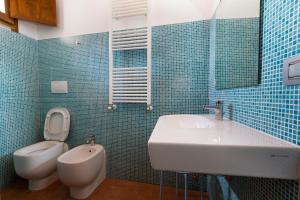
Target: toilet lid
[57, 124]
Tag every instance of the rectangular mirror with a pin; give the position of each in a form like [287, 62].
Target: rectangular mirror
[236, 29]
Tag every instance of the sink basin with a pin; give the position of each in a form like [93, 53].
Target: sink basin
[187, 121]
[201, 144]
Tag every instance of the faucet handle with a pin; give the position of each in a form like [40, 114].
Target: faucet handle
[91, 138]
[219, 102]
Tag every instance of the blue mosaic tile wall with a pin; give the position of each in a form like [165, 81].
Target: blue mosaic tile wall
[179, 83]
[270, 107]
[182, 82]
[19, 101]
[237, 52]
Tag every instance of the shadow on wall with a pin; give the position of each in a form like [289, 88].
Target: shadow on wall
[7, 163]
[19, 101]
[249, 188]
[230, 111]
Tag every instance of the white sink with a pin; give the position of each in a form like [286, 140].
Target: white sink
[187, 121]
[199, 143]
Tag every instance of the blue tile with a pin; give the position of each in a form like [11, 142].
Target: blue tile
[183, 80]
[270, 107]
[179, 85]
[19, 102]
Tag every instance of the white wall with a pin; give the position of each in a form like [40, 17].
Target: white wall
[77, 17]
[178, 11]
[238, 9]
[28, 29]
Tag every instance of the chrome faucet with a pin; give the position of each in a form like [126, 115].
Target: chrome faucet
[91, 139]
[218, 108]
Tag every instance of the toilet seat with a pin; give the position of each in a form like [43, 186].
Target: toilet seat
[57, 124]
[28, 160]
[36, 149]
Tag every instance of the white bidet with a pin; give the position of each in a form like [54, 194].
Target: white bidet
[83, 169]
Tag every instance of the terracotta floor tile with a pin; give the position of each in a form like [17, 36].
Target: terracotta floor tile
[110, 189]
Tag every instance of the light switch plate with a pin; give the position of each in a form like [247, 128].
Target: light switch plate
[291, 70]
[294, 70]
[60, 87]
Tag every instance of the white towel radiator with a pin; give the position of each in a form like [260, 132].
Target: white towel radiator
[129, 30]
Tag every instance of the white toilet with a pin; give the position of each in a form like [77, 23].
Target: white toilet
[37, 163]
[83, 169]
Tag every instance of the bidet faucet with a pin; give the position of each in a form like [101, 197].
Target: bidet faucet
[91, 139]
[218, 108]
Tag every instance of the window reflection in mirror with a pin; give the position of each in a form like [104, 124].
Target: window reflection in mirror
[2, 6]
[5, 19]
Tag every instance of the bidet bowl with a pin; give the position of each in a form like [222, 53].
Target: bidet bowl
[81, 165]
